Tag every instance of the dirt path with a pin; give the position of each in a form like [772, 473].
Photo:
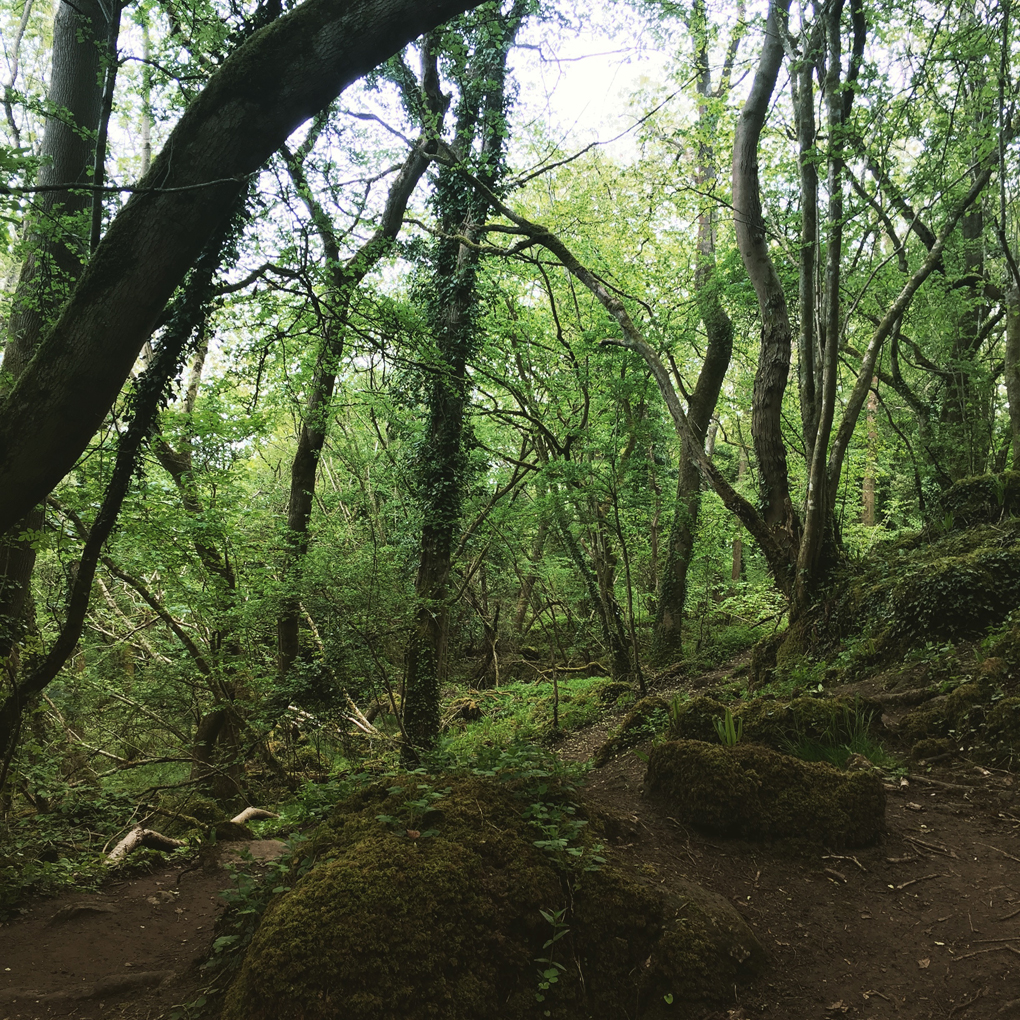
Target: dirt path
[129, 951]
[925, 924]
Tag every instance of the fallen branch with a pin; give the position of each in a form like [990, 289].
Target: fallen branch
[252, 814]
[157, 841]
[141, 837]
[914, 881]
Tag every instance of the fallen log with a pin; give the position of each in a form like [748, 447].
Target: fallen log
[141, 837]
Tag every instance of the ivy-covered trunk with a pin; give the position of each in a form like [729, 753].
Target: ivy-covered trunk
[450, 294]
[260, 94]
[345, 277]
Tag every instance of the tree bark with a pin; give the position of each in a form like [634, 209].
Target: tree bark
[776, 333]
[263, 91]
[463, 212]
[869, 485]
[57, 245]
[1012, 370]
[671, 595]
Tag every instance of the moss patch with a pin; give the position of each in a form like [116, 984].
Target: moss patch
[984, 499]
[974, 719]
[451, 926]
[756, 793]
[778, 723]
[647, 718]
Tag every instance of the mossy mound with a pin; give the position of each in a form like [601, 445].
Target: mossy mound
[615, 691]
[778, 723]
[952, 582]
[452, 926]
[974, 719]
[756, 793]
[638, 943]
[984, 499]
[647, 718]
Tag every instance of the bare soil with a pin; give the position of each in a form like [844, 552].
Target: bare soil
[925, 924]
[131, 951]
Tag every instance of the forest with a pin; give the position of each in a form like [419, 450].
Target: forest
[464, 450]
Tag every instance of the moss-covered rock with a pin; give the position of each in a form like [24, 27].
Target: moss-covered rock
[646, 719]
[973, 718]
[984, 499]
[614, 691]
[757, 793]
[637, 943]
[453, 926]
[776, 723]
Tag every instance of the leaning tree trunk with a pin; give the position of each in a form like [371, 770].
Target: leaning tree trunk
[268, 87]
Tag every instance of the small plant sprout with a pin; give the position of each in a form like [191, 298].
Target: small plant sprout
[550, 969]
[729, 729]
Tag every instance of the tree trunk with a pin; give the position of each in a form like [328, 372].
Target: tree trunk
[1012, 369]
[871, 467]
[58, 244]
[261, 93]
[480, 120]
[776, 334]
[346, 278]
[667, 633]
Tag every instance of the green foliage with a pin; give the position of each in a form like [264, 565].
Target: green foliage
[730, 731]
[255, 884]
[522, 711]
[848, 734]
[550, 970]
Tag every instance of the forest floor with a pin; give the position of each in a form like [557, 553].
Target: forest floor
[924, 924]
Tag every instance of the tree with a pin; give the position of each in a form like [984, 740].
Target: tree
[57, 242]
[271, 84]
[672, 589]
[450, 297]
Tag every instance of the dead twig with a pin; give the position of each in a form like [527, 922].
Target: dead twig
[939, 782]
[966, 1005]
[998, 851]
[932, 847]
[914, 881]
[843, 857]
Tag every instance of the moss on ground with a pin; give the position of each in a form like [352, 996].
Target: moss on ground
[952, 582]
[647, 718]
[756, 793]
[454, 925]
[777, 723]
[974, 718]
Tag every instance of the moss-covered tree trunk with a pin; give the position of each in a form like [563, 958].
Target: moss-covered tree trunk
[451, 295]
[1012, 370]
[56, 247]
